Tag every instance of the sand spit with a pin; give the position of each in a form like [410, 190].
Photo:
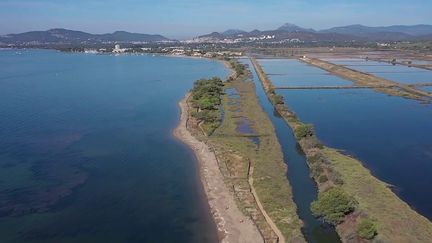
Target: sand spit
[233, 225]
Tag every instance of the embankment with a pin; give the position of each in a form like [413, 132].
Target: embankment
[250, 163]
[366, 79]
[395, 220]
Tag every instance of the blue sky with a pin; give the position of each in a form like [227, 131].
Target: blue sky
[186, 18]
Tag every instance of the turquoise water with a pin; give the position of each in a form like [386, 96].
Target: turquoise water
[87, 153]
[292, 72]
[398, 73]
[303, 187]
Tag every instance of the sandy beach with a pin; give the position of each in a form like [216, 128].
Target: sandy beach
[233, 225]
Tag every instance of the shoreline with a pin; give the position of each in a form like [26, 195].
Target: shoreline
[232, 224]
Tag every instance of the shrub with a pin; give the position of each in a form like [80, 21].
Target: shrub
[316, 170]
[206, 116]
[322, 179]
[338, 180]
[366, 229]
[315, 158]
[239, 68]
[332, 205]
[278, 99]
[304, 130]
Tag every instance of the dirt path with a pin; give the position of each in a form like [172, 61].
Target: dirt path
[232, 224]
[266, 216]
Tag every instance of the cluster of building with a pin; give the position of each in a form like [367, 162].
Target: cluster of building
[184, 51]
[173, 50]
[263, 38]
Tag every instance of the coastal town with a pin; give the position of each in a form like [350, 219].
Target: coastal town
[174, 51]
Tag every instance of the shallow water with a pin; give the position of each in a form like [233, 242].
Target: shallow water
[398, 73]
[244, 127]
[292, 72]
[391, 135]
[426, 88]
[303, 187]
[86, 150]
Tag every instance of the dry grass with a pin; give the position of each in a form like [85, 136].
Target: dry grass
[396, 221]
[269, 175]
[367, 79]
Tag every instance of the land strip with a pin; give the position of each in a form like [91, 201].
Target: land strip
[335, 87]
[366, 79]
[233, 225]
[402, 63]
[255, 170]
[393, 219]
[251, 163]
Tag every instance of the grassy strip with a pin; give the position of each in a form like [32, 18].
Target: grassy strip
[237, 154]
[362, 78]
[377, 210]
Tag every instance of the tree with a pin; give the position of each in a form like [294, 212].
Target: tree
[366, 229]
[279, 99]
[332, 205]
[304, 130]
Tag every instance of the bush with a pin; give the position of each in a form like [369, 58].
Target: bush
[314, 159]
[304, 130]
[366, 229]
[239, 68]
[206, 116]
[279, 99]
[333, 204]
[316, 170]
[322, 179]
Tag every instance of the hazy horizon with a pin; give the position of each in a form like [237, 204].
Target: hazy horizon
[190, 18]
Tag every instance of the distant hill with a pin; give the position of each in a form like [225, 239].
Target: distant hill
[290, 32]
[361, 30]
[233, 32]
[64, 36]
[288, 27]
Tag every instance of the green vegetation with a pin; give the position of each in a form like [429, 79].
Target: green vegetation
[333, 204]
[366, 229]
[394, 220]
[323, 178]
[238, 154]
[278, 99]
[239, 68]
[303, 131]
[206, 99]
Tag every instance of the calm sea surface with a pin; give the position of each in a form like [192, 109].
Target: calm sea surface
[87, 152]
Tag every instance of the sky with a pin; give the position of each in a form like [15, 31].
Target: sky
[187, 18]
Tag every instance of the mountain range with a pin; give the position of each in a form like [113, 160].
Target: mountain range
[64, 36]
[287, 32]
[343, 33]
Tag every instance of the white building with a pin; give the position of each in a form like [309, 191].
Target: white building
[117, 49]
